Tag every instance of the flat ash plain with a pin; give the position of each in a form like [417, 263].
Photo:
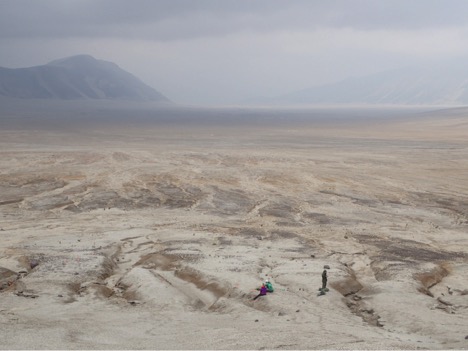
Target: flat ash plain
[154, 233]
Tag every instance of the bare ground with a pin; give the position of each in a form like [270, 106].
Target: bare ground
[157, 238]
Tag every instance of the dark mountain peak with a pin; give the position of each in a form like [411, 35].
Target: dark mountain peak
[75, 77]
[77, 60]
[82, 62]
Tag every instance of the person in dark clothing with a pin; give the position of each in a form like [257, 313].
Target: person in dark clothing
[324, 279]
[263, 292]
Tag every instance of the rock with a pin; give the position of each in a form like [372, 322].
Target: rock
[33, 263]
[443, 301]
[7, 277]
[256, 320]
[326, 266]
[466, 337]
[347, 286]
[6, 273]
[21, 293]
[298, 310]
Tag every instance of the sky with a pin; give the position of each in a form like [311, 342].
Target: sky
[222, 52]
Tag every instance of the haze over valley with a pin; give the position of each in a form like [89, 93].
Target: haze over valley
[84, 77]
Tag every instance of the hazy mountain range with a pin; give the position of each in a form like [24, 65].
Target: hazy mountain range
[84, 77]
[431, 84]
[76, 77]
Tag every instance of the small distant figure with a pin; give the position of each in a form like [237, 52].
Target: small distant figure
[324, 279]
[269, 286]
[324, 288]
[263, 292]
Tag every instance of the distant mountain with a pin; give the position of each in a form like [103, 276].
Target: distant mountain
[76, 77]
[442, 84]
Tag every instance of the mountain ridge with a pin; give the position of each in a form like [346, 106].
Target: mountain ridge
[429, 84]
[74, 78]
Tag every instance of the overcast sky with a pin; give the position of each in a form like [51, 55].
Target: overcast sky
[225, 51]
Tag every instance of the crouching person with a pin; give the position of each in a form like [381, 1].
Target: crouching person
[269, 286]
[263, 292]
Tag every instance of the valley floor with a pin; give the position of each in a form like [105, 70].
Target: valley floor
[157, 237]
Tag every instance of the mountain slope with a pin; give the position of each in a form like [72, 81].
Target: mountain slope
[430, 85]
[76, 77]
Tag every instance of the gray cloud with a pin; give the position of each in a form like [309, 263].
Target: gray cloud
[187, 19]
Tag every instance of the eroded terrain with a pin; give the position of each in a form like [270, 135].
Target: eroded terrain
[158, 238]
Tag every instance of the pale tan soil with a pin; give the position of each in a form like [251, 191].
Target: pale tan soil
[157, 238]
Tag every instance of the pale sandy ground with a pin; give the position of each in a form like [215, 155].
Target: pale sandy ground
[157, 237]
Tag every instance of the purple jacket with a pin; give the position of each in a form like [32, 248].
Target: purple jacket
[263, 290]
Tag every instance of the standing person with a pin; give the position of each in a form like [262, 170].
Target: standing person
[324, 279]
[263, 292]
